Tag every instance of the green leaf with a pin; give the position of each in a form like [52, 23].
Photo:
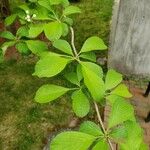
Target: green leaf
[55, 2]
[89, 56]
[93, 43]
[10, 19]
[45, 3]
[113, 78]
[22, 48]
[37, 46]
[72, 141]
[50, 65]
[23, 31]
[101, 145]
[91, 128]
[35, 30]
[43, 14]
[22, 22]
[144, 146]
[63, 45]
[93, 82]
[121, 111]
[65, 3]
[49, 92]
[7, 35]
[122, 90]
[94, 67]
[134, 136]
[68, 20]
[7, 45]
[53, 30]
[72, 77]
[119, 133]
[80, 103]
[65, 29]
[79, 72]
[24, 7]
[71, 10]
[33, 1]
[21, 15]
[112, 98]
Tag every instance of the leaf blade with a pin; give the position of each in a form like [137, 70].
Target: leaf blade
[23, 31]
[36, 46]
[50, 65]
[67, 140]
[71, 10]
[101, 145]
[93, 82]
[134, 131]
[49, 92]
[93, 43]
[80, 103]
[121, 111]
[122, 90]
[22, 48]
[89, 56]
[10, 19]
[7, 35]
[53, 30]
[35, 30]
[63, 45]
[113, 78]
[72, 77]
[91, 128]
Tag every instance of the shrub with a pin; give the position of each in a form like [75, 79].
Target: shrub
[89, 85]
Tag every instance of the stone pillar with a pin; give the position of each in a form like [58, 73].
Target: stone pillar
[129, 42]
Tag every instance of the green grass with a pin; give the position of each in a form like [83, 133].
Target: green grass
[94, 20]
[24, 124]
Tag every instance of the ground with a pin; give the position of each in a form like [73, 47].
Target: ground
[24, 124]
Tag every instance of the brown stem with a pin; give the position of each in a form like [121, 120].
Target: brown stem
[102, 124]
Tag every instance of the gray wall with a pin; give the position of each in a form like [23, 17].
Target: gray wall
[130, 37]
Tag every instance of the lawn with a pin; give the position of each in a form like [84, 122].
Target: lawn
[24, 124]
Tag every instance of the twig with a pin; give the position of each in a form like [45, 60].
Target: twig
[96, 106]
[72, 42]
[102, 124]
